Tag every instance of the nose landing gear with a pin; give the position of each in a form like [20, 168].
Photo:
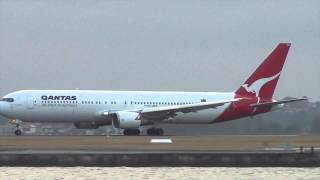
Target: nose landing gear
[18, 130]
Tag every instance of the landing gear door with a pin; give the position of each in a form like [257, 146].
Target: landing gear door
[30, 102]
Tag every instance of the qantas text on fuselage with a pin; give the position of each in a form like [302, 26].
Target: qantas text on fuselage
[73, 98]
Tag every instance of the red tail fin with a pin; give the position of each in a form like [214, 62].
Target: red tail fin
[263, 81]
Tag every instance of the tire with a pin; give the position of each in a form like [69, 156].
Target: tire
[131, 132]
[155, 132]
[159, 132]
[151, 132]
[136, 132]
[18, 132]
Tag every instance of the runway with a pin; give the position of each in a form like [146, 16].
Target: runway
[137, 152]
[131, 143]
[222, 150]
[141, 158]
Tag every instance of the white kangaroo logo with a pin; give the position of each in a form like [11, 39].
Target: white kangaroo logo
[256, 86]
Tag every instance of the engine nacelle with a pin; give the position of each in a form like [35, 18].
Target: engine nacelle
[127, 120]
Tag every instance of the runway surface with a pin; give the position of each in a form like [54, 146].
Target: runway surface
[196, 151]
[137, 152]
[142, 143]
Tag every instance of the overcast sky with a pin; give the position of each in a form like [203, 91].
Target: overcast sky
[171, 45]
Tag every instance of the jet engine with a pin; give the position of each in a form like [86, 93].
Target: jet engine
[127, 120]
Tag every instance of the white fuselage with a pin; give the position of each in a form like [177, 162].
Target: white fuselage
[86, 106]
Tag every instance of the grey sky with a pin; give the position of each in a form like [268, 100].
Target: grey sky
[156, 45]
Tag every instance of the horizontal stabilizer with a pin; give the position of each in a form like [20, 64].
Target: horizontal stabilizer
[268, 104]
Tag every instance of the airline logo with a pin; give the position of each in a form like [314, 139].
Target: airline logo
[70, 98]
[139, 117]
[256, 86]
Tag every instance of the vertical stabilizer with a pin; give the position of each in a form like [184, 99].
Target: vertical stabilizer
[263, 81]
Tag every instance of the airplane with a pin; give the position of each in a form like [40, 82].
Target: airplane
[130, 110]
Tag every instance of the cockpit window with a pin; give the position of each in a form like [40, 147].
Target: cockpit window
[7, 99]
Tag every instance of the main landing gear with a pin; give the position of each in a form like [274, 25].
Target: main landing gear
[155, 132]
[150, 132]
[131, 132]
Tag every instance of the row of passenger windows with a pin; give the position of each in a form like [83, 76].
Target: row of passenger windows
[114, 102]
[161, 103]
[58, 102]
[76, 102]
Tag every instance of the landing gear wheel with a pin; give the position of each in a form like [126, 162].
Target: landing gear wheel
[17, 123]
[131, 132]
[18, 132]
[150, 131]
[159, 131]
[155, 132]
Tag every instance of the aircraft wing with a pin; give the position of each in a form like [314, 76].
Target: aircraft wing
[170, 111]
[268, 104]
